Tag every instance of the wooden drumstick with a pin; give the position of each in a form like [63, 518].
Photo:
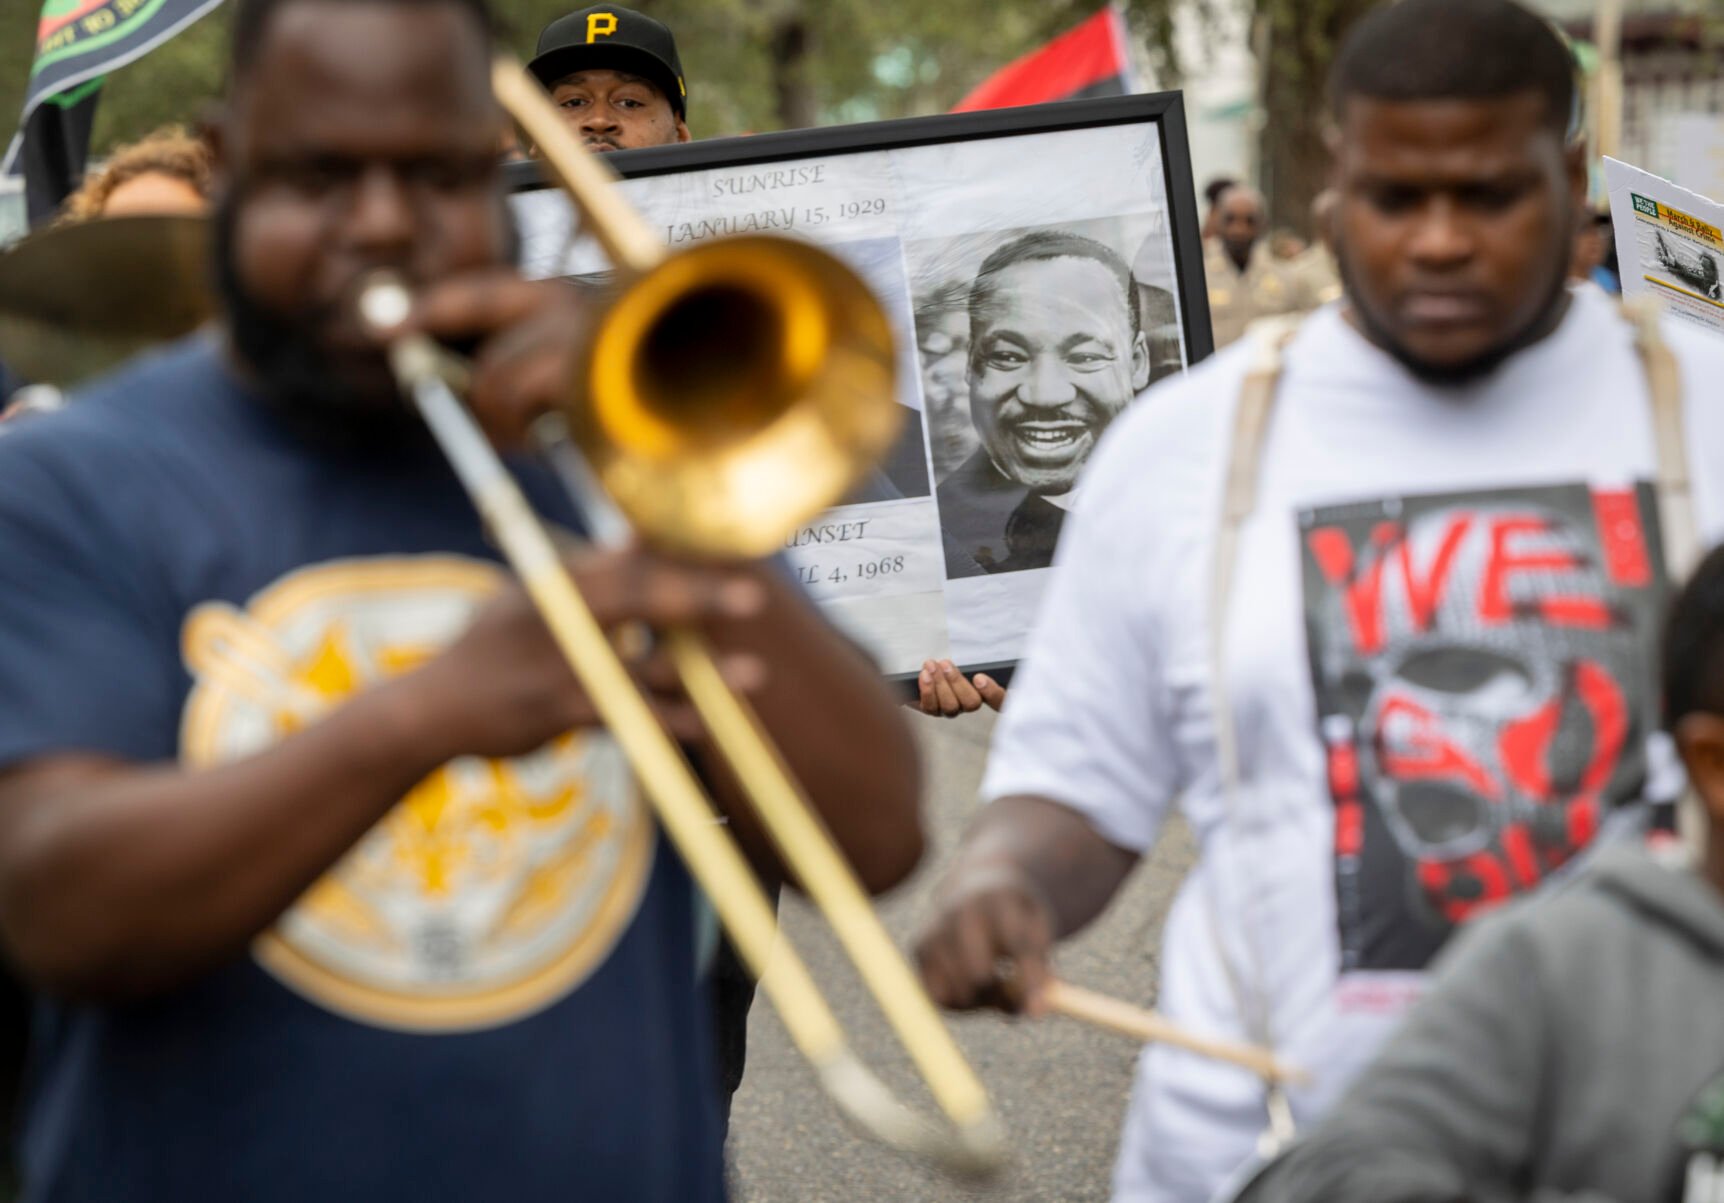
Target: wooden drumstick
[1147, 1026]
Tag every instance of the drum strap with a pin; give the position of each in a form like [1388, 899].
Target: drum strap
[1239, 500]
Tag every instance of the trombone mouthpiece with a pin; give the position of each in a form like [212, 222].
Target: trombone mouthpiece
[384, 303]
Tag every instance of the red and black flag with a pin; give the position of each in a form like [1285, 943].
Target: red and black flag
[1090, 60]
[78, 42]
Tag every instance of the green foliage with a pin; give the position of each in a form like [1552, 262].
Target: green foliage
[17, 44]
[853, 60]
[756, 65]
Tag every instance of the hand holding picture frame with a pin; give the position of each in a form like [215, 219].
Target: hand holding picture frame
[1041, 267]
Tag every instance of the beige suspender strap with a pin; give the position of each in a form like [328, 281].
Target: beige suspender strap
[1239, 499]
[1669, 441]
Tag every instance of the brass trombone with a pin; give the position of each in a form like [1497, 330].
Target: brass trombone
[729, 393]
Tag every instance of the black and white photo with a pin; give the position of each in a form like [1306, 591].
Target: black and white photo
[1040, 268]
[1054, 348]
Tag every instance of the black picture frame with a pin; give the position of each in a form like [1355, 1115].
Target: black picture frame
[1166, 110]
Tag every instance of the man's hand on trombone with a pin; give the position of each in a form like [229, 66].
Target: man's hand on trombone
[503, 690]
[821, 701]
[526, 335]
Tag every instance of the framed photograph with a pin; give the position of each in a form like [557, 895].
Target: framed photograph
[1042, 267]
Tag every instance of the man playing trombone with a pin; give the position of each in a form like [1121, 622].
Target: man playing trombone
[308, 839]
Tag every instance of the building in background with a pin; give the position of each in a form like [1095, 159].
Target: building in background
[1672, 55]
[1220, 81]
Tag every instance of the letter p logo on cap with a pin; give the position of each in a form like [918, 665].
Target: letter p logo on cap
[600, 25]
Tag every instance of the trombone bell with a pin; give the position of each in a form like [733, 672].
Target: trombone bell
[734, 391]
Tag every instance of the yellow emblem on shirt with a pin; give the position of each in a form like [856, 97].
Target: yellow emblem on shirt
[490, 891]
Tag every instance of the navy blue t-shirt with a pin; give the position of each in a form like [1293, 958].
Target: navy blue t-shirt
[492, 995]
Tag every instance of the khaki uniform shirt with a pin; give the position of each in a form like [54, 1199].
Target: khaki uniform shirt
[1316, 268]
[1265, 289]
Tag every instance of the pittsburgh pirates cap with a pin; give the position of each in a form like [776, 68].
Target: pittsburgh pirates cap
[607, 37]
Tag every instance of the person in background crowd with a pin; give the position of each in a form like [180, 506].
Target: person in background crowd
[1595, 254]
[1212, 194]
[1246, 282]
[1441, 634]
[1286, 245]
[1568, 1048]
[331, 882]
[1315, 267]
[1608, 274]
[617, 77]
[166, 173]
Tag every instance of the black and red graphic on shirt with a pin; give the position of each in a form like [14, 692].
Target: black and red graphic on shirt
[1482, 667]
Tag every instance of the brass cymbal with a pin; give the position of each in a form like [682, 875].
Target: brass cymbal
[78, 300]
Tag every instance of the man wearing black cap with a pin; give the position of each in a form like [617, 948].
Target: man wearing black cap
[616, 75]
[617, 78]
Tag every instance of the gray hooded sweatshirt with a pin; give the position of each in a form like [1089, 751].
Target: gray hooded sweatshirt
[1571, 1048]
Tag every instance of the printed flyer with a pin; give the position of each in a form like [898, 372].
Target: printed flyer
[1670, 243]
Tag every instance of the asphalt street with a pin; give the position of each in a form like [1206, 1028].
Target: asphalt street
[1061, 1087]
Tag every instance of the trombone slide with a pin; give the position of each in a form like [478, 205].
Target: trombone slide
[729, 365]
[976, 1147]
[803, 841]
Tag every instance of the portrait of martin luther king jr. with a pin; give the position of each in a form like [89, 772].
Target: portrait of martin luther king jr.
[1057, 350]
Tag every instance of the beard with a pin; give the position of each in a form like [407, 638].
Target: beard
[341, 402]
[295, 377]
[1457, 375]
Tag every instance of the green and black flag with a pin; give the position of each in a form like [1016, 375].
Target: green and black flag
[77, 44]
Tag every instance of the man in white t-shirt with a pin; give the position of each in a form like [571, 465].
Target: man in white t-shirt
[1438, 643]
